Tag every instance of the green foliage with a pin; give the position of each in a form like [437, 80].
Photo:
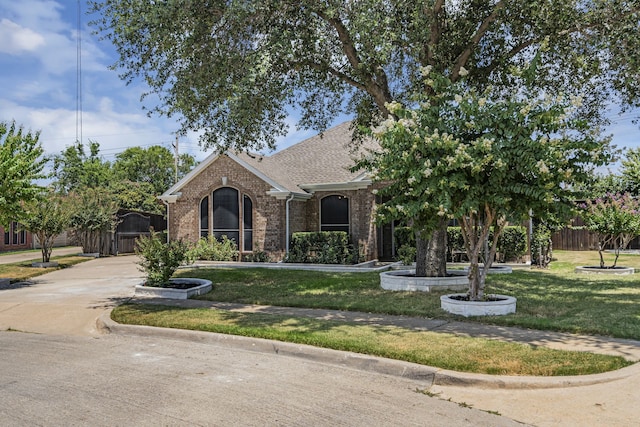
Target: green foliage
[630, 173]
[75, 169]
[153, 166]
[47, 217]
[21, 163]
[211, 249]
[614, 219]
[94, 213]
[512, 244]
[159, 260]
[481, 157]
[325, 247]
[404, 236]
[407, 254]
[205, 59]
[135, 179]
[256, 256]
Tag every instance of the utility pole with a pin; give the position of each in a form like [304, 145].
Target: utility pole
[176, 158]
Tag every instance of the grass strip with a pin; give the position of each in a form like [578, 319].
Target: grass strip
[23, 270]
[441, 350]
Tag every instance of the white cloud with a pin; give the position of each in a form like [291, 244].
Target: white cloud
[15, 39]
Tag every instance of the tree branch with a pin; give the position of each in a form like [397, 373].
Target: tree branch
[435, 33]
[376, 87]
[482, 30]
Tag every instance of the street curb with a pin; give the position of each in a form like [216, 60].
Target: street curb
[413, 371]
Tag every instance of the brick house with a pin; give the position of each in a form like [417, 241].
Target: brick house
[15, 238]
[259, 201]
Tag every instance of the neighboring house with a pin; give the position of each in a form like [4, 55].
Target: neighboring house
[259, 201]
[15, 238]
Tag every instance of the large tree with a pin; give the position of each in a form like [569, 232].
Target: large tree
[21, 164]
[154, 165]
[232, 69]
[79, 167]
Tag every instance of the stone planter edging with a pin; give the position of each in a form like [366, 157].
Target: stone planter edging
[594, 269]
[44, 264]
[398, 280]
[478, 308]
[496, 269]
[171, 293]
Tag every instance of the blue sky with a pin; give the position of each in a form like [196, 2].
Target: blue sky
[38, 50]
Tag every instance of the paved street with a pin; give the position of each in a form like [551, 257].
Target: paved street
[58, 369]
[133, 381]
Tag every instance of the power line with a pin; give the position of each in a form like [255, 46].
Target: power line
[79, 77]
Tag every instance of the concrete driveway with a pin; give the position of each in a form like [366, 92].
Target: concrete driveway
[69, 301]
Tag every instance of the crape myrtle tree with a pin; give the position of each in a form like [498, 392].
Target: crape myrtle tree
[233, 69]
[46, 217]
[481, 158]
[614, 219]
[21, 164]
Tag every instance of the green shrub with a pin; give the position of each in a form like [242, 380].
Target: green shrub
[407, 254]
[513, 243]
[404, 236]
[324, 247]
[159, 260]
[256, 256]
[541, 245]
[211, 249]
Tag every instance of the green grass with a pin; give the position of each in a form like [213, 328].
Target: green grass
[556, 299]
[20, 271]
[446, 351]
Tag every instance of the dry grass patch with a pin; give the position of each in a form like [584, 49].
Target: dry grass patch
[441, 350]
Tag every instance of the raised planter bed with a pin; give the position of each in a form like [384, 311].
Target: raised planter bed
[495, 305]
[182, 289]
[496, 269]
[44, 264]
[405, 280]
[594, 269]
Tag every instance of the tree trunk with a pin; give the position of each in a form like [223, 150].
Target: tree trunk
[431, 254]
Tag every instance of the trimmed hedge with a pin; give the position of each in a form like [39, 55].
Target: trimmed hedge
[324, 247]
[512, 245]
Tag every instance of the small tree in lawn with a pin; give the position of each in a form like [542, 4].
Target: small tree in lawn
[159, 260]
[480, 158]
[615, 220]
[47, 217]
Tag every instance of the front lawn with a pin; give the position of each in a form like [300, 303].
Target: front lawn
[557, 299]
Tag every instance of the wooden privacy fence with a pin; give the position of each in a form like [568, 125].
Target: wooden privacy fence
[572, 239]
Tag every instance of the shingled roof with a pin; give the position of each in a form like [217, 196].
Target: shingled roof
[323, 159]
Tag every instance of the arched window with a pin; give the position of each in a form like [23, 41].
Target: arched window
[226, 214]
[334, 213]
[204, 217]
